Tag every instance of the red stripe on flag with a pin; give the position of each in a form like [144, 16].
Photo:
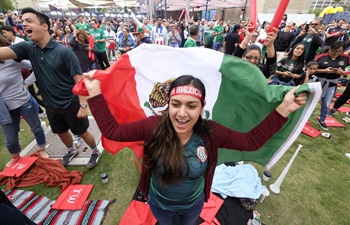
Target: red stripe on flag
[118, 87]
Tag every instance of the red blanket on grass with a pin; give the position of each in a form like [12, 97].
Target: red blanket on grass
[46, 171]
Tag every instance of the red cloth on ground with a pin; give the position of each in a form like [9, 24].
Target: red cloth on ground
[46, 171]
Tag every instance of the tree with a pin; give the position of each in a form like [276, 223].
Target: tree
[336, 2]
[346, 7]
[317, 11]
[6, 5]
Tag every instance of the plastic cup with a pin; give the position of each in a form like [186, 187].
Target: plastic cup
[347, 155]
[104, 178]
[266, 175]
[264, 195]
[326, 135]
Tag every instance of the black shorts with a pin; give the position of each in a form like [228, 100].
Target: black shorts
[62, 120]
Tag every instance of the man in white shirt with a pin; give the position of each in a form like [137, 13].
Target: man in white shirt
[159, 35]
[110, 42]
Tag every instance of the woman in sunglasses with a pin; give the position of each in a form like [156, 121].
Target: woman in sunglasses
[252, 53]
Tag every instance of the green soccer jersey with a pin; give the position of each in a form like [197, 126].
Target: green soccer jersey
[218, 30]
[84, 26]
[190, 43]
[208, 36]
[98, 35]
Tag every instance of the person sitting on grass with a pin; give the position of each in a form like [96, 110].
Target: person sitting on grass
[181, 148]
[290, 68]
[310, 71]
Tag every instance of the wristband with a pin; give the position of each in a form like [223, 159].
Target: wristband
[244, 43]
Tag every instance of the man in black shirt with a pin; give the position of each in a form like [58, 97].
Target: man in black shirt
[333, 34]
[232, 40]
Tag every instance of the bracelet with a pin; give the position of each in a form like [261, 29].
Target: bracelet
[244, 43]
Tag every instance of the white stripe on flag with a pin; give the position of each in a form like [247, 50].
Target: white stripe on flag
[315, 94]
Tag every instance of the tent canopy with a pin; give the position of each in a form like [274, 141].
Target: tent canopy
[199, 5]
[172, 5]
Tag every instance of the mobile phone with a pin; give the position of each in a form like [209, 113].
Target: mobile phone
[87, 45]
[335, 69]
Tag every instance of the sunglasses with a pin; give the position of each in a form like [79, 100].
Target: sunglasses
[255, 36]
[314, 24]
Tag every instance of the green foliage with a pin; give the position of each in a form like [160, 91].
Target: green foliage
[336, 2]
[317, 11]
[6, 5]
[346, 7]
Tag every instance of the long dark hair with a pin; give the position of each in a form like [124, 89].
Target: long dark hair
[301, 59]
[165, 149]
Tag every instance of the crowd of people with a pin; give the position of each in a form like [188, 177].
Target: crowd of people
[54, 54]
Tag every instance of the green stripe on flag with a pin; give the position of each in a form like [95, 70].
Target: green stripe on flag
[247, 99]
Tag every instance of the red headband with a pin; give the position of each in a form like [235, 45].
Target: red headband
[187, 90]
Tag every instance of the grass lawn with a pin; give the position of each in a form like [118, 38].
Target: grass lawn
[316, 189]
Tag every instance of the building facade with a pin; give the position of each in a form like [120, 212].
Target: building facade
[294, 6]
[325, 3]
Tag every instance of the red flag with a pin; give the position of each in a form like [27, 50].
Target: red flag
[118, 106]
[91, 44]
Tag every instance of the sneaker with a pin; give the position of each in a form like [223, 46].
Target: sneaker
[93, 160]
[68, 157]
[42, 115]
[348, 113]
[331, 112]
[323, 125]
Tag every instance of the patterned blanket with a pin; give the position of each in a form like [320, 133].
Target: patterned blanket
[38, 209]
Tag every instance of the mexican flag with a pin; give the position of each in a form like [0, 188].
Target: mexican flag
[237, 94]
